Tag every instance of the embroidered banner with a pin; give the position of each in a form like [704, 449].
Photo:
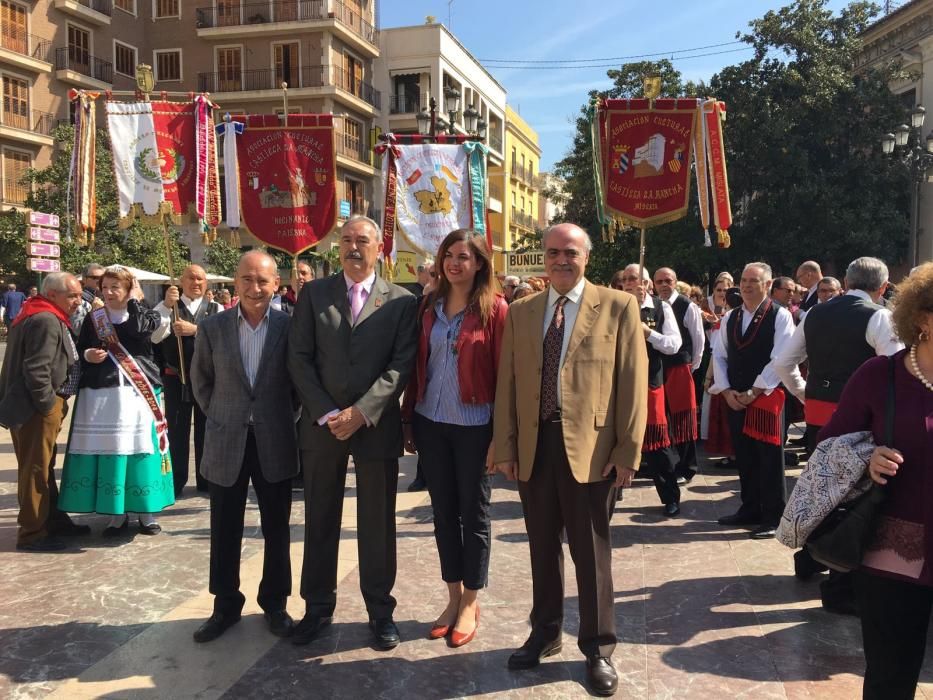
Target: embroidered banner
[82, 173]
[646, 154]
[153, 146]
[433, 194]
[288, 179]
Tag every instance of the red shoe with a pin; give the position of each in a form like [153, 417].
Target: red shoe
[458, 639]
[439, 631]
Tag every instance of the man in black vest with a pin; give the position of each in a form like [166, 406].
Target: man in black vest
[662, 340]
[751, 336]
[179, 401]
[679, 389]
[836, 337]
[809, 276]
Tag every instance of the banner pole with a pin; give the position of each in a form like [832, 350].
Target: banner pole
[182, 374]
[641, 255]
[285, 102]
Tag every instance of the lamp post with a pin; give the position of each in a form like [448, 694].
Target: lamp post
[430, 125]
[919, 160]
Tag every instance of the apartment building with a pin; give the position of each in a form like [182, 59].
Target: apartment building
[419, 62]
[239, 51]
[517, 179]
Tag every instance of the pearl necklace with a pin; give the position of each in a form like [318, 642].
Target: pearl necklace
[916, 367]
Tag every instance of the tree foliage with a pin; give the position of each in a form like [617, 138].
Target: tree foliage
[806, 174]
[222, 258]
[140, 245]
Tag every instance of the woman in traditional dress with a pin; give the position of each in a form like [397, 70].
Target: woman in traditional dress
[117, 460]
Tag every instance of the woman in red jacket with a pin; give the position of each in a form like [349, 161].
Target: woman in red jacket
[447, 415]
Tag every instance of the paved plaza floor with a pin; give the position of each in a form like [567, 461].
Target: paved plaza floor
[702, 612]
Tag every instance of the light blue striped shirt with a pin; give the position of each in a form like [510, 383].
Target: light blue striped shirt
[252, 341]
[441, 402]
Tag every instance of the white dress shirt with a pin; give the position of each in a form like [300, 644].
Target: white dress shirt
[768, 380]
[668, 341]
[693, 322]
[571, 309]
[165, 327]
[879, 334]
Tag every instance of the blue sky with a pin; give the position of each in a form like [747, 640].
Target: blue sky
[550, 99]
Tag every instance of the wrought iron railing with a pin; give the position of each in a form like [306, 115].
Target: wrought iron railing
[26, 44]
[404, 104]
[80, 61]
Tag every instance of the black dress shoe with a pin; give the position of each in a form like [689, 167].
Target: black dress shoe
[68, 528]
[417, 485]
[43, 544]
[216, 625]
[280, 623]
[738, 519]
[763, 532]
[601, 677]
[385, 633]
[531, 652]
[671, 509]
[309, 628]
[111, 531]
[150, 529]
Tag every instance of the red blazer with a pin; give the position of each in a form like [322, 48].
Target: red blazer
[477, 356]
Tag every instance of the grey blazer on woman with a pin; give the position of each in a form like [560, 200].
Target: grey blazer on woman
[222, 390]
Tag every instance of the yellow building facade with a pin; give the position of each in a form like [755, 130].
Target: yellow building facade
[514, 185]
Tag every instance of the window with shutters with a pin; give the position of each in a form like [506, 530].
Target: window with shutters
[230, 69]
[126, 5]
[13, 35]
[166, 8]
[124, 59]
[286, 59]
[15, 102]
[15, 165]
[167, 65]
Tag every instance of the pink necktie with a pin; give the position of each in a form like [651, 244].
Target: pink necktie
[357, 300]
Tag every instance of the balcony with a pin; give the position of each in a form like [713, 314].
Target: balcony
[95, 11]
[26, 51]
[258, 80]
[231, 20]
[356, 87]
[404, 104]
[33, 127]
[79, 68]
[354, 154]
[495, 142]
[523, 220]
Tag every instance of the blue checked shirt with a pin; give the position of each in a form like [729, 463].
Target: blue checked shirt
[441, 402]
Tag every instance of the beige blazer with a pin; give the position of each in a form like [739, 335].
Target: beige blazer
[604, 384]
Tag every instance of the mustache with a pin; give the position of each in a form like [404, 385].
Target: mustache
[353, 255]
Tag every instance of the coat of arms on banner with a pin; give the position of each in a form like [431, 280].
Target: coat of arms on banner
[288, 193]
[433, 193]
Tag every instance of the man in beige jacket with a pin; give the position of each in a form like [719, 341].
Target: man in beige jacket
[569, 421]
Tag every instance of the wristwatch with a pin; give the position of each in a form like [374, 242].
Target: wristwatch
[750, 393]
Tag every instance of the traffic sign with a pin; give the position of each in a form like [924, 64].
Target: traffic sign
[44, 265]
[38, 218]
[46, 235]
[48, 250]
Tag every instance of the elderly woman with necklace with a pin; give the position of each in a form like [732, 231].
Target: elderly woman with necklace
[117, 460]
[894, 587]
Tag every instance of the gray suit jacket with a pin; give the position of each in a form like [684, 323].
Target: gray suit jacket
[222, 390]
[335, 364]
[35, 367]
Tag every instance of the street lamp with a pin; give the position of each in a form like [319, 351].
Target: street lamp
[470, 119]
[430, 124]
[918, 158]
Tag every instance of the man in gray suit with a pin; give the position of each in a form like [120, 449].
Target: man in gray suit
[40, 357]
[352, 344]
[240, 378]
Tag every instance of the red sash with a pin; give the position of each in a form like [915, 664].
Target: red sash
[817, 412]
[719, 441]
[682, 402]
[763, 418]
[656, 435]
[132, 372]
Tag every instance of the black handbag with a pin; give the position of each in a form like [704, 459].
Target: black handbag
[839, 541]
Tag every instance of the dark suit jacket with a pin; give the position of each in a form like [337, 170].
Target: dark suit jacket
[335, 364]
[35, 367]
[222, 390]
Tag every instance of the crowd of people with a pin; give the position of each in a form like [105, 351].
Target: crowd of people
[566, 387]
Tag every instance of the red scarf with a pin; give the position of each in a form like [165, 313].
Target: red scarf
[37, 305]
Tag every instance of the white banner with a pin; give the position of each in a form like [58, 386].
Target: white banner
[135, 156]
[433, 193]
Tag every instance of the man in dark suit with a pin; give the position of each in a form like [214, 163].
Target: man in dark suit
[352, 345]
[569, 421]
[40, 357]
[240, 377]
[809, 276]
